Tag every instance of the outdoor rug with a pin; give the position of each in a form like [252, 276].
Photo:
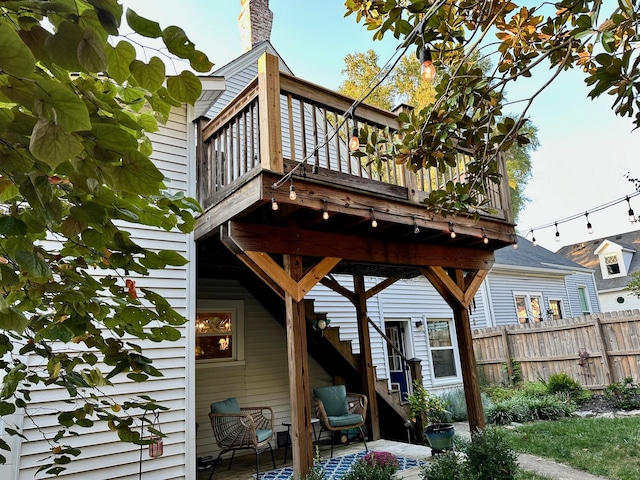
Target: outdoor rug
[335, 468]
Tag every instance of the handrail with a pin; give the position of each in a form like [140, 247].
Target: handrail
[388, 340]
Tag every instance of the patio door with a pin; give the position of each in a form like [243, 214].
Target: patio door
[396, 330]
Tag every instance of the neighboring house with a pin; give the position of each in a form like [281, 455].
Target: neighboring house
[613, 260]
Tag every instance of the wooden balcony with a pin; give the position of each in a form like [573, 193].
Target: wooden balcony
[280, 123]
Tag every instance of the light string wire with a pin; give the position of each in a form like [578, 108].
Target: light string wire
[384, 72]
[576, 216]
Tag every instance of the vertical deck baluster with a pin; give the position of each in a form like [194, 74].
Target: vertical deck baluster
[303, 129]
[314, 121]
[339, 143]
[327, 149]
[292, 129]
[254, 140]
[237, 152]
[245, 143]
[215, 170]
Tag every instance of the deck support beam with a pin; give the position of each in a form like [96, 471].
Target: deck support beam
[299, 384]
[458, 288]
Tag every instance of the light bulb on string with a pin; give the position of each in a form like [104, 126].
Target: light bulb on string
[354, 142]
[427, 70]
[557, 232]
[632, 216]
[325, 214]
[533, 239]
[589, 226]
[485, 239]
[274, 204]
[292, 192]
[452, 231]
[416, 228]
[374, 222]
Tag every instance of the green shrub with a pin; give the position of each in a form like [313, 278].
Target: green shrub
[523, 408]
[317, 471]
[534, 389]
[456, 405]
[563, 383]
[487, 457]
[625, 394]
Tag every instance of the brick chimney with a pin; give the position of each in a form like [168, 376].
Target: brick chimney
[255, 22]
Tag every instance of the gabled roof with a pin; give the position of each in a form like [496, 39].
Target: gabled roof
[615, 246]
[534, 257]
[585, 254]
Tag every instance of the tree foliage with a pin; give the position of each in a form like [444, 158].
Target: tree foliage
[404, 85]
[76, 108]
[535, 39]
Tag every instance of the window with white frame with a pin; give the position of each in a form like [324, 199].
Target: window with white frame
[612, 264]
[555, 309]
[442, 348]
[583, 296]
[220, 331]
[528, 306]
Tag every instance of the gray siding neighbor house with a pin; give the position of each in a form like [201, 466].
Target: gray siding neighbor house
[612, 260]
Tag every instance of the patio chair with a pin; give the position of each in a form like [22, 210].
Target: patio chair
[236, 428]
[339, 410]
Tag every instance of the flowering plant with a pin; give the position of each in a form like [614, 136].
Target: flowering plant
[374, 466]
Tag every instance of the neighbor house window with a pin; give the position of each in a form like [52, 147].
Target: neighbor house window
[584, 300]
[219, 331]
[555, 309]
[442, 348]
[612, 264]
[528, 306]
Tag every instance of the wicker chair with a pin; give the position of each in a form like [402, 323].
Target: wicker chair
[339, 410]
[236, 428]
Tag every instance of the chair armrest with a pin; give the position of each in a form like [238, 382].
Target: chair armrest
[261, 421]
[358, 404]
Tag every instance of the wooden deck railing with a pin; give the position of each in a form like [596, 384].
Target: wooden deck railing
[278, 117]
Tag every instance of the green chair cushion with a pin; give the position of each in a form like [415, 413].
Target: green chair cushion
[230, 405]
[345, 420]
[334, 399]
[262, 435]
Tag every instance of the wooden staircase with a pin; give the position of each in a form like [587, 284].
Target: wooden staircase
[331, 337]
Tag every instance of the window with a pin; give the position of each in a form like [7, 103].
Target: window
[442, 349]
[219, 331]
[555, 309]
[584, 300]
[612, 264]
[528, 307]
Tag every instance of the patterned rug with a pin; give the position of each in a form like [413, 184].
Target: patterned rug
[335, 468]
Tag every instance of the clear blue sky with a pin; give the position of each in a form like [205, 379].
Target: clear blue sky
[585, 149]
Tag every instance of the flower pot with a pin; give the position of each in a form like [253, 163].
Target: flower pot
[440, 437]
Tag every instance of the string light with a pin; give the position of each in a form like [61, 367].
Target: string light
[325, 214]
[427, 70]
[632, 216]
[374, 222]
[274, 204]
[557, 232]
[354, 142]
[292, 192]
[589, 226]
[452, 232]
[485, 239]
[416, 229]
[515, 242]
[533, 239]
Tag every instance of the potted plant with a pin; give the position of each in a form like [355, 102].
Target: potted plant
[429, 416]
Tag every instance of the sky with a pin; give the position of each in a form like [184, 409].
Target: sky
[585, 150]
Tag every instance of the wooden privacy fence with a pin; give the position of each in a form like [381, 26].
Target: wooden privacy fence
[596, 350]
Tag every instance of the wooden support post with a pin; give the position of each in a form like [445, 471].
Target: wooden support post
[367, 371]
[606, 364]
[299, 385]
[269, 113]
[204, 168]
[469, 369]
[507, 354]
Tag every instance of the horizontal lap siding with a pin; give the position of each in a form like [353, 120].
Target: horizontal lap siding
[263, 379]
[103, 456]
[583, 279]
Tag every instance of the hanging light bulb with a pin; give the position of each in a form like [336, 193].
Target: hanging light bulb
[427, 70]
[354, 142]
[416, 228]
[485, 239]
[557, 232]
[632, 216]
[374, 222]
[589, 226]
[274, 204]
[452, 232]
[533, 239]
[292, 192]
[325, 214]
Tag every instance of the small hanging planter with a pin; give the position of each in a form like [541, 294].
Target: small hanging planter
[156, 447]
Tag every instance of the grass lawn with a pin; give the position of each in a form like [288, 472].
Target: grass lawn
[523, 475]
[602, 446]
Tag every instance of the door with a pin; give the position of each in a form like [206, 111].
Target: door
[398, 371]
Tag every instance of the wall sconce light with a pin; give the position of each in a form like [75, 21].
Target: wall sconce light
[321, 324]
[420, 325]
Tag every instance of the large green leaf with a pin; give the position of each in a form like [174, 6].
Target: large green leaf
[11, 319]
[52, 144]
[63, 105]
[63, 46]
[185, 87]
[12, 226]
[177, 42]
[149, 75]
[34, 265]
[137, 174]
[146, 28]
[15, 57]
[91, 52]
[172, 258]
[120, 57]
[112, 137]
